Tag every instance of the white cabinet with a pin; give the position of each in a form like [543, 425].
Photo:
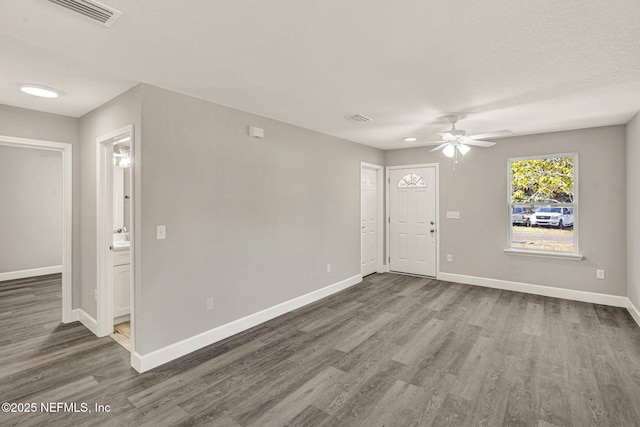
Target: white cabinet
[121, 257]
[121, 283]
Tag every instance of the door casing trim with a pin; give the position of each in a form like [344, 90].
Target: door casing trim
[67, 211]
[104, 212]
[380, 208]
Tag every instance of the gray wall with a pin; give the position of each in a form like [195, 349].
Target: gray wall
[115, 114]
[31, 213]
[22, 123]
[633, 207]
[251, 223]
[478, 189]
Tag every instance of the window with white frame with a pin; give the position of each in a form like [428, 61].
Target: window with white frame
[543, 203]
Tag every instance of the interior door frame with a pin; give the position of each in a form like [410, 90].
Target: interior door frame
[104, 231]
[67, 211]
[380, 208]
[388, 210]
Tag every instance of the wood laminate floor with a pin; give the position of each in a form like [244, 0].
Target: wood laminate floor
[391, 351]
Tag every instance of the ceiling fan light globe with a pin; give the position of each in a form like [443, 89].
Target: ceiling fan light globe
[449, 150]
[464, 149]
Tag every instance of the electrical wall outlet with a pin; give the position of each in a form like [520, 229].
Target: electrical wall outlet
[600, 274]
[209, 303]
[449, 258]
[328, 268]
[161, 232]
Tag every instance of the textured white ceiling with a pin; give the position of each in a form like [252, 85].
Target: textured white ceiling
[528, 66]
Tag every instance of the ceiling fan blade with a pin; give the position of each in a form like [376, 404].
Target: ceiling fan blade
[479, 143]
[440, 147]
[496, 134]
[433, 142]
[447, 136]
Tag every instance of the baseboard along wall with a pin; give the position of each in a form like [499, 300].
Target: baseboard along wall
[88, 321]
[633, 310]
[145, 362]
[32, 272]
[548, 291]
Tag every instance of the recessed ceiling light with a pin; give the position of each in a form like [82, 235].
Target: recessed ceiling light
[40, 91]
[410, 139]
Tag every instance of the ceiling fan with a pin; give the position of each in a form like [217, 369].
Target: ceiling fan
[456, 141]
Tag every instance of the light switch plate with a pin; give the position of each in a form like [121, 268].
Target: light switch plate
[453, 214]
[161, 232]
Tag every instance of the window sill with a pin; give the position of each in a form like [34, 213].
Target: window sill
[540, 254]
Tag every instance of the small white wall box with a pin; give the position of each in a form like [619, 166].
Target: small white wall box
[453, 214]
[255, 132]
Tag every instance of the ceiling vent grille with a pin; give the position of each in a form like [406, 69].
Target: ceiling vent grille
[359, 118]
[91, 9]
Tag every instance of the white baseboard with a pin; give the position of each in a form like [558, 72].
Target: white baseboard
[122, 319]
[145, 362]
[33, 272]
[136, 362]
[633, 311]
[592, 297]
[84, 318]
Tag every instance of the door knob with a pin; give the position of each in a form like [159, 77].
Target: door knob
[433, 230]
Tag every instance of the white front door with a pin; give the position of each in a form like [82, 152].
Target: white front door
[412, 225]
[369, 220]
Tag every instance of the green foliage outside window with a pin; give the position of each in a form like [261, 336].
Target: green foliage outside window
[542, 180]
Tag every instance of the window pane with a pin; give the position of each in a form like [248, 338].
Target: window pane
[544, 180]
[547, 237]
[543, 204]
[411, 180]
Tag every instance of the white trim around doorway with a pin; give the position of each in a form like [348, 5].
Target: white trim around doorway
[104, 212]
[67, 211]
[380, 264]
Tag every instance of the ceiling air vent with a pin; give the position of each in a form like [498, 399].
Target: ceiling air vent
[91, 9]
[359, 118]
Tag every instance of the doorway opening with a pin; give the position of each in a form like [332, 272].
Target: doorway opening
[115, 231]
[65, 150]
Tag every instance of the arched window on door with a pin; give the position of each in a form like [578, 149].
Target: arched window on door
[411, 180]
